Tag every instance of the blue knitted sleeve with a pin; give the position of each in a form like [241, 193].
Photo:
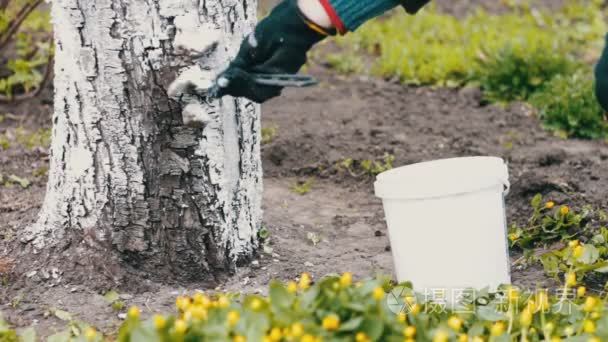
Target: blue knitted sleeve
[354, 13]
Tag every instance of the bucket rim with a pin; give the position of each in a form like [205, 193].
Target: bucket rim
[395, 184]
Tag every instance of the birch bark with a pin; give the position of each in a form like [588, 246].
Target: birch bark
[125, 172]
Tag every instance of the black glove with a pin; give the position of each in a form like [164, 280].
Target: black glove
[277, 46]
[601, 78]
[413, 6]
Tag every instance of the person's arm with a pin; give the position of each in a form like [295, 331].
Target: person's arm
[601, 78]
[280, 41]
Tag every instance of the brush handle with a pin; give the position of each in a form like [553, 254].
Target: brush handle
[285, 80]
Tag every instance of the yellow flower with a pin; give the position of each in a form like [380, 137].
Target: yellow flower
[346, 279]
[589, 326]
[550, 205]
[512, 236]
[200, 299]
[590, 304]
[416, 308]
[239, 338]
[564, 210]
[594, 339]
[570, 279]
[180, 326]
[578, 251]
[256, 304]
[595, 315]
[477, 339]
[556, 339]
[134, 312]
[307, 338]
[497, 329]
[223, 302]
[90, 334]
[361, 337]
[569, 330]
[525, 318]
[573, 243]
[159, 322]
[378, 294]
[182, 303]
[441, 336]
[463, 338]
[331, 322]
[581, 291]
[410, 300]
[409, 332]
[305, 281]
[401, 317]
[292, 287]
[198, 313]
[275, 334]
[455, 323]
[233, 318]
[549, 327]
[297, 329]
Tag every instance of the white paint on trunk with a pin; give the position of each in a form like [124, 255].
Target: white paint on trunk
[123, 165]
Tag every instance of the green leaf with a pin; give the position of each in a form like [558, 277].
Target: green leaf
[62, 315]
[111, 296]
[144, 333]
[590, 255]
[21, 181]
[352, 324]
[536, 201]
[489, 313]
[28, 335]
[63, 336]
[280, 298]
[373, 327]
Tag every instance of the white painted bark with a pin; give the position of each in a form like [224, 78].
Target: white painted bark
[124, 168]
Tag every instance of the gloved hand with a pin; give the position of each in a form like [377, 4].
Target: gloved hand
[278, 45]
[601, 78]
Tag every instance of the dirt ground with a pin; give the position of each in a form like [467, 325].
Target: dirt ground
[355, 117]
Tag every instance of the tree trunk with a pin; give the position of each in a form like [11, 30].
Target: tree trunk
[125, 172]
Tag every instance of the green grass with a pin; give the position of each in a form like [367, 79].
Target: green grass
[567, 105]
[511, 56]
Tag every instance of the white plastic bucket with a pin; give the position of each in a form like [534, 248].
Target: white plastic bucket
[447, 224]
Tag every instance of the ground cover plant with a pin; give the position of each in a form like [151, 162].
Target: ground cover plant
[25, 28]
[526, 52]
[338, 309]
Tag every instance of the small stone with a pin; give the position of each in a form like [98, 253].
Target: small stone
[122, 315]
[55, 273]
[255, 263]
[309, 264]
[125, 296]
[31, 274]
[387, 248]
[378, 233]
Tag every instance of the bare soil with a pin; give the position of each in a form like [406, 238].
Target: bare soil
[338, 226]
